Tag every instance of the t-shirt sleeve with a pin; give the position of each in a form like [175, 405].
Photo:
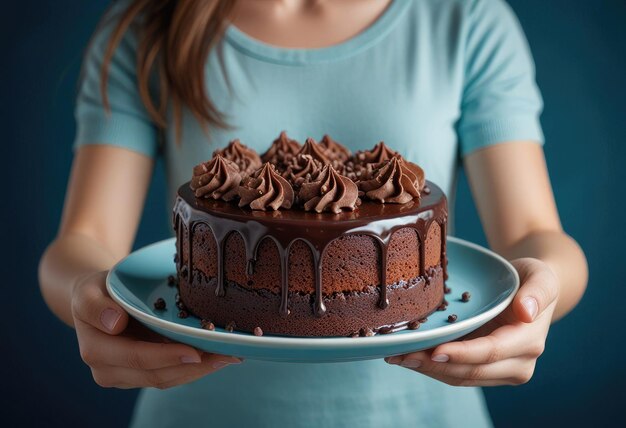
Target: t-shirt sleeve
[128, 123]
[501, 101]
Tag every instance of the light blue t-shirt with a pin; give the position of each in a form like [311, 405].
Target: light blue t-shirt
[434, 79]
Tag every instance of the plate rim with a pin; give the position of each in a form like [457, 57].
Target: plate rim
[318, 342]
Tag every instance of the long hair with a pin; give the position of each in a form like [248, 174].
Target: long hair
[174, 40]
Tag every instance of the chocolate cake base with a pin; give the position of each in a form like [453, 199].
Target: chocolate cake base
[346, 313]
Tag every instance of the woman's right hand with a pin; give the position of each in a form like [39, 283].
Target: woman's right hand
[124, 354]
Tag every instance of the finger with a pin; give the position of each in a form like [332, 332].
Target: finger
[101, 350]
[539, 289]
[457, 382]
[92, 305]
[504, 343]
[511, 371]
[122, 377]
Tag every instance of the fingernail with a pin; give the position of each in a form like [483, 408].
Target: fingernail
[190, 359]
[393, 360]
[109, 318]
[531, 306]
[440, 358]
[412, 364]
[222, 364]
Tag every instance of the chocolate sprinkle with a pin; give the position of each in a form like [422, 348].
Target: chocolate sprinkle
[258, 331]
[414, 325]
[452, 318]
[465, 297]
[183, 314]
[159, 304]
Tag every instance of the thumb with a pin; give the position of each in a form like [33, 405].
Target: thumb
[92, 305]
[539, 288]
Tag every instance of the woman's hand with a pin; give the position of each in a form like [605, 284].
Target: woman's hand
[505, 350]
[123, 354]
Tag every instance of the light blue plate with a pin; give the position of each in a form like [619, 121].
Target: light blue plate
[139, 279]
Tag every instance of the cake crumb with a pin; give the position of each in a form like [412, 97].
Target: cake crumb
[230, 327]
[447, 290]
[183, 314]
[465, 297]
[414, 325]
[258, 331]
[452, 318]
[171, 281]
[207, 325]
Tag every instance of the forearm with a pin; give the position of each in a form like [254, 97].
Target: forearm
[67, 259]
[565, 258]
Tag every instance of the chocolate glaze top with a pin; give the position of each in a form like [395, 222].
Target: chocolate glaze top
[367, 215]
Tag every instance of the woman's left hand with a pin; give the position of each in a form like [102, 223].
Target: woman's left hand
[505, 350]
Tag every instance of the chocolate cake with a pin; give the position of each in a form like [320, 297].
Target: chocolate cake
[310, 240]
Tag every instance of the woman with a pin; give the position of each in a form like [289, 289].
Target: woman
[441, 81]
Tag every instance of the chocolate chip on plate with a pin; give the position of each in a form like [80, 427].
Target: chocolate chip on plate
[159, 304]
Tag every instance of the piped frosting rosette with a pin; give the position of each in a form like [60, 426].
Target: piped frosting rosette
[266, 190]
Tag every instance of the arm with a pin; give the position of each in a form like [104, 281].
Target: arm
[102, 209]
[103, 204]
[512, 190]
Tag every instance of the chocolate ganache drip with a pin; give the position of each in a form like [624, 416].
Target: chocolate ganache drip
[247, 159]
[266, 189]
[329, 191]
[218, 178]
[281, 151]
[392, 182]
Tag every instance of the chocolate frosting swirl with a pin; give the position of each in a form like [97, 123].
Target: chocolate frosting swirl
[218, 178]
[281, 151]
[302, 168]
[313, 149]
[379, 153]
[334, 149]
[329, 191]
[247, 159]
[419, 173]
[266, 189]
[392, 182]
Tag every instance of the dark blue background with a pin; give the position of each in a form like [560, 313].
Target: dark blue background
[579, 49]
